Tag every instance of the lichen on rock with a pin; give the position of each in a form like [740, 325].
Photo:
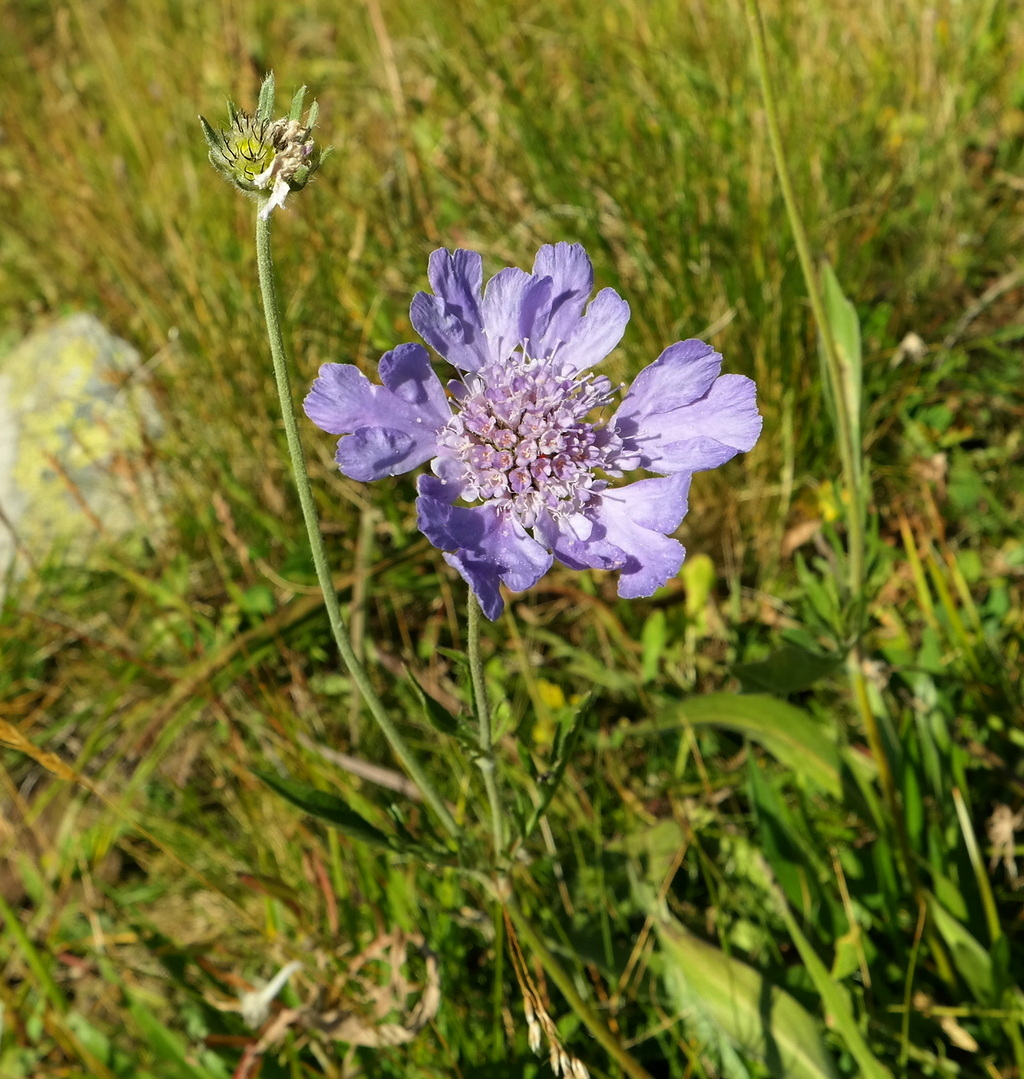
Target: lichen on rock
[73, 411]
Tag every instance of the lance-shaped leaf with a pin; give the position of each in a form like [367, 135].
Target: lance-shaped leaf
[758, 1017]
[330, 808]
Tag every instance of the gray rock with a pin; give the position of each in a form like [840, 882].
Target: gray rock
[74, 415]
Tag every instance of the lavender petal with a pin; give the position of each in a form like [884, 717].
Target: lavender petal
[597, 333]
[572, 280]
[450, 321]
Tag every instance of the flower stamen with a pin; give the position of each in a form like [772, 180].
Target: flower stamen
[524, 441]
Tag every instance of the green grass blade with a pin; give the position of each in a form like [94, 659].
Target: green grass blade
[35, 962]
[988, 900]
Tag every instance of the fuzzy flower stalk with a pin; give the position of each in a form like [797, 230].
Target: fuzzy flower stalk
[258, 155]
[523, 446]
[266, 158]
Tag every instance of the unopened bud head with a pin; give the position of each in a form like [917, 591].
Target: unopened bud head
[260, 154]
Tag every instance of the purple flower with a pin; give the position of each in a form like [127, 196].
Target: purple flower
[520, 450]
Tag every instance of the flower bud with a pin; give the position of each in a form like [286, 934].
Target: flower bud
[260, 154]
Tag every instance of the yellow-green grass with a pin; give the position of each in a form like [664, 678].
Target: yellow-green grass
[164, 675]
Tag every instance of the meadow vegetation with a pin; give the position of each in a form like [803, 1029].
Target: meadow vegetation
[721, 872]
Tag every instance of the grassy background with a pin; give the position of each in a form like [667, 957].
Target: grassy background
[168, 669]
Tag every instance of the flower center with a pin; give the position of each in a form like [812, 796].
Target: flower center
[521, 438]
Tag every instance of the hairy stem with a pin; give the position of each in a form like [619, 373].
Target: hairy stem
[483, 713]
[341, 639]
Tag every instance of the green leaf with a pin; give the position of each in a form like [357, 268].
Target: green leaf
[436, 714]
[453, 654]
[758, 1016]
[654, 638]
[786, 732]
[257, 600]
[790, 669]
[102, 1050]
[328, 807]
[698, 574]
[659, 844]
[565, 747]
[819, 586]
[846, 960]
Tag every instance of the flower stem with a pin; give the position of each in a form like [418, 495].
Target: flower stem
[561, 977]
[483, 712]
[358, 673]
